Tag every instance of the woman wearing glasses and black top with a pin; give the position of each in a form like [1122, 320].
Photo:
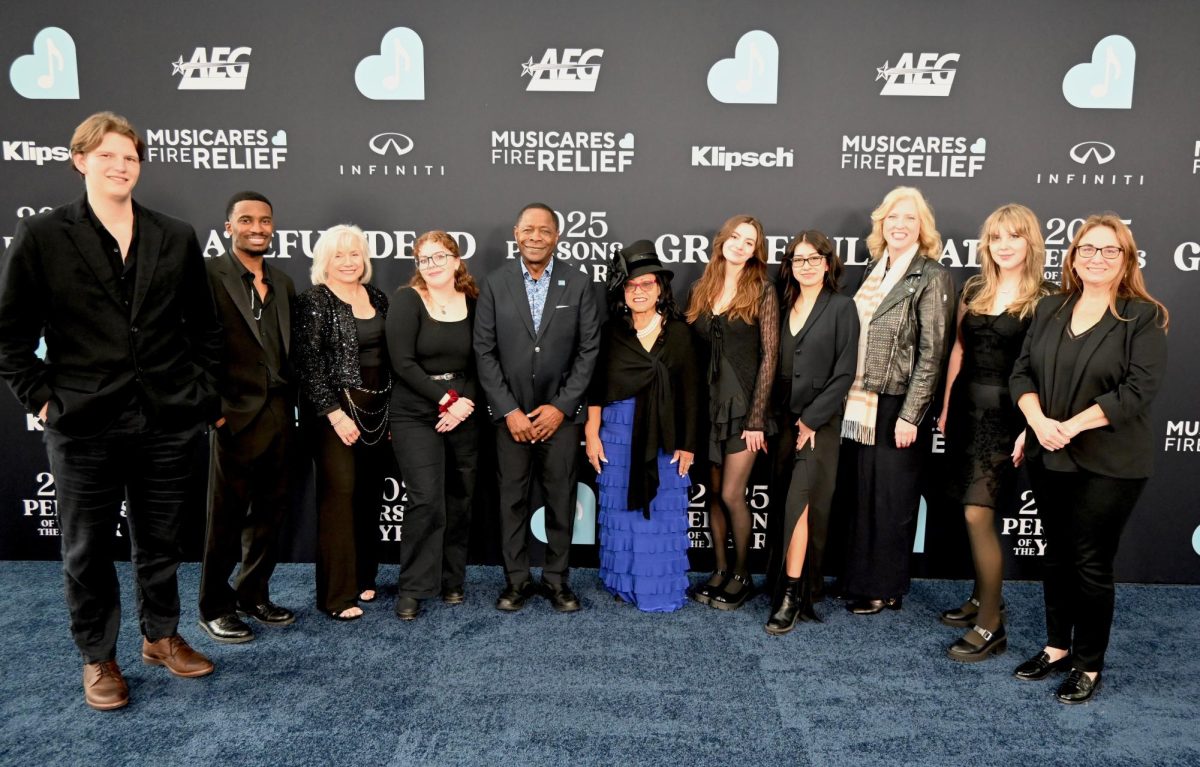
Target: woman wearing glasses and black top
[435, 439]
[1091, 365]
[818, 344]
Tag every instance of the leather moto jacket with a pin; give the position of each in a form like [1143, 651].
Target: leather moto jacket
[909, 337]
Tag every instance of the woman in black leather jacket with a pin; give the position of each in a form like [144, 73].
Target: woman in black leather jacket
[906, 310]
[345, 380]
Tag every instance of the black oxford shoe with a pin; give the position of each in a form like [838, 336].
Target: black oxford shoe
[1077, 688]
[1040, 666]
[561, 597]
[454, 596]
[514, 596]
[269, 613]
[873, 606]
[407, 608]
[228, 629]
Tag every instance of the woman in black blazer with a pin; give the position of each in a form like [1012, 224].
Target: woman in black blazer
[345, 380]
[818, 341]
[1090, 367]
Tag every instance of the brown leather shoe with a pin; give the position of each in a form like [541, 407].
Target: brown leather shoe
[103, 686]
[177, 655]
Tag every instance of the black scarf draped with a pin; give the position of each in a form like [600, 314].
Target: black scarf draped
[634, 372]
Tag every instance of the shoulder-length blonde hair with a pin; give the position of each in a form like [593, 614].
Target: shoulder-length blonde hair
[1130, 284]
[748, 298]
[928, 238]
[982, 288]
[333, 239]
[463, 281]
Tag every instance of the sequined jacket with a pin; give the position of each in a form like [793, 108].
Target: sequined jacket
[909, 337]
[326, 346]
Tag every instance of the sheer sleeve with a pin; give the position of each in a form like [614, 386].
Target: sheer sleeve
[768, 359]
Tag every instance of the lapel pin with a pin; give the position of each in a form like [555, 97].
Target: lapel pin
[562, 283]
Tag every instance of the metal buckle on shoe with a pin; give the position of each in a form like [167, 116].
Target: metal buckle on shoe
[987, 635]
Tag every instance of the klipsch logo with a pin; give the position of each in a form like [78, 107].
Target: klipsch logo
[27, 151]
[915, 156]
[563, 151]
[1093, 151]
[389, 146]
[575, 69]
[720, 157]
[216, 69]
[918, 74]
[1091, 155]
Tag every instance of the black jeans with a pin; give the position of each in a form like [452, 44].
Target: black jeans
[439, 480]
[136, 460]
[1083, 515]
[247, 500]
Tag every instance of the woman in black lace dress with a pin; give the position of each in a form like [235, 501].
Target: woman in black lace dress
[982, 425]
[734, 309]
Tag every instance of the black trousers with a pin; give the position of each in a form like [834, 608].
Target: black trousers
[1082, 515]
[247, 500]
[349, 501]
[553, 461]
[132, 460]
[881, 530]
[439, 480]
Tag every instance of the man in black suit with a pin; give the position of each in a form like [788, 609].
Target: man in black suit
[124, 391]
[248, 469]
[537, 334]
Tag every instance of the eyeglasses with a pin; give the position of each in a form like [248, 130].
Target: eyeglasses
[437, 259]
[644, 287]
[1110, 252]
[813, 260]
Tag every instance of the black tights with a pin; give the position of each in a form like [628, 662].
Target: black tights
[729, 510]
[989, 564]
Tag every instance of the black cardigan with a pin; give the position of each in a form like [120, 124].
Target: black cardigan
[326, 346]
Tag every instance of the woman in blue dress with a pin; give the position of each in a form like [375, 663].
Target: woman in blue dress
[641, 434]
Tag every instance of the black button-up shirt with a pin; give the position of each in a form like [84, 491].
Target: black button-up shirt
[124, 270]
[265, 313]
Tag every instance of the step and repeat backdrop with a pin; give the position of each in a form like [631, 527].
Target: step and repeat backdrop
[635, 120]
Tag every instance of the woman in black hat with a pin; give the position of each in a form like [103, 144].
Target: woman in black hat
[641, 434]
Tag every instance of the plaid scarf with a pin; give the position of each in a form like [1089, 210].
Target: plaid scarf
[862, 406]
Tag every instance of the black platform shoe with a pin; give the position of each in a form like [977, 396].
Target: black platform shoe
[994, 643]
[704, 592]
[963, 616]
[726, 600]
[787, 609]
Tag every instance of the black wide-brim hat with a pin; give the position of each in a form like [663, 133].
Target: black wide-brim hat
[641, 258]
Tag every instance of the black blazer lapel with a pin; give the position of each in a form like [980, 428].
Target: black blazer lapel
[558, 286]
[813, 316]
[516, 286]
[235, 286]
[87, 242]
[149, 245]
[1051, 339]
[1091, 343]
[283, 309]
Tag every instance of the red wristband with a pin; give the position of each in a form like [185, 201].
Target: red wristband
[442, 408]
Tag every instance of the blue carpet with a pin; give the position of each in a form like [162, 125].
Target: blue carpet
[468, 685]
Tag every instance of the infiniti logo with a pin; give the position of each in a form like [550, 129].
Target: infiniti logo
[1097, 150]
[394, 142]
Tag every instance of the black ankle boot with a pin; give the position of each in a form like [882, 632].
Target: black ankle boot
[807, 613]
[788, 608]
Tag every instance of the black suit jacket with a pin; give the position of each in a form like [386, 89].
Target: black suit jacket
[1120, 368]
[242, 379]
[57, 281]
[825, 360]
[522, 369]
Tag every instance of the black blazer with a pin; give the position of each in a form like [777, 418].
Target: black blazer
[1120, 368]
[57, 280]
[826, 359]
[241, 380]
[326, 356]
[521, 369]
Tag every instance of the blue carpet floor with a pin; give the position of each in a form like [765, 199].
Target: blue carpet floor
[468, 685]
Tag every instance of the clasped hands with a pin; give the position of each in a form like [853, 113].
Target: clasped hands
[458, 411]
[538, 426]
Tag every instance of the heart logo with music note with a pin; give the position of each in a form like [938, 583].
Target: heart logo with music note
[583, 528]
[51, 71]
[397, 72]
[751, 76]
[1105, 82]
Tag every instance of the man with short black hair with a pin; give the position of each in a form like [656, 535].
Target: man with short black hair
[125, 390]
[248, 471]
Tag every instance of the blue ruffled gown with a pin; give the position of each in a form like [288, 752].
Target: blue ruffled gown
[643, 561]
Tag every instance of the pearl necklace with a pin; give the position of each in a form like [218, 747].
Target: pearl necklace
[650, 328]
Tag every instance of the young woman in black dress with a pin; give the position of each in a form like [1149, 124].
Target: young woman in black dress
[984, 430]
[734, 309]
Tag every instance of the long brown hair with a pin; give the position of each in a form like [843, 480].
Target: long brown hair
[748, 298]
[463, 281]
[1131, 284]
[982, 287]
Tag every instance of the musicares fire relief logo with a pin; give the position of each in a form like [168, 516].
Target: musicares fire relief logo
[1182, 437]
[918, 74]
[574, 70]
[563, 151]
[1091, 155]
[390, 146]
[915, 156]
[217, 69]
[218, 148]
